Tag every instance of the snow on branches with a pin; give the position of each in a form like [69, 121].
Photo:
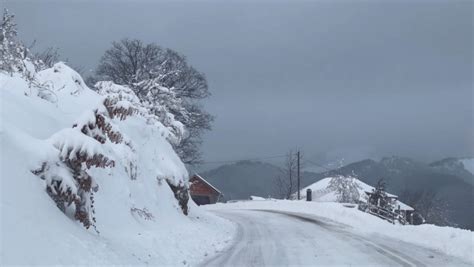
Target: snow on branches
[122, 101]
[14, 55]
[379, 196]
[90, 143]
[346, 188]
[80, 148]
[67, 180]
[12, 51]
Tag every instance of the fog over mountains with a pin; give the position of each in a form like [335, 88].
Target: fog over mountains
[249, 178]
[450, 179]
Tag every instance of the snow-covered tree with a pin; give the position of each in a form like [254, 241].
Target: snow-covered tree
[121, 102]
[163, 102]
[47, 58]
[68, 182]
[16, 58]
[122, 97]
[147, 69]
[346, 188]
[379, 196]
[12, 51]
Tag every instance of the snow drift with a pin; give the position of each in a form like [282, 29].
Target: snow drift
[55, 134]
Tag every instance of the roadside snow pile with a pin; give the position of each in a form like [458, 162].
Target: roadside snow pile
[72, 158]
[452, 241]
[256, 198]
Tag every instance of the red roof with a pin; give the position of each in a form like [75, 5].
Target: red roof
[207, 183]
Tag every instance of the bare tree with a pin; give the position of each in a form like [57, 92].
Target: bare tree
[12, 51]
[131, 62]
[47, 57]
[285, 181]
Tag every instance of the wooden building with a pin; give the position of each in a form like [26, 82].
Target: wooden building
[202, 192]
[399, 210]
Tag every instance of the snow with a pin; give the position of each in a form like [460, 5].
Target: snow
[62, 79]
[34, 231]
[448, 240]
[321, 192]
[124, 97]
[71, 142]
[468, 164]
[256, 198]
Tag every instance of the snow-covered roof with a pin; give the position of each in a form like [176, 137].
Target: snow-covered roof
[403, 206]
[206, 182]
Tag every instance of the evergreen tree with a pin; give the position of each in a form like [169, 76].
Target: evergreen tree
[379, 196]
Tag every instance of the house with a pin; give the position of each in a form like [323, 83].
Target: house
[397, 205]
[321, 191]
[400, 211]
[202, 192]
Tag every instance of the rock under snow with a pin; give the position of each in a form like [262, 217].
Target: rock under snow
[139, 219]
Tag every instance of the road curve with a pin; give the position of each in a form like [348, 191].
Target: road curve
[268, 238]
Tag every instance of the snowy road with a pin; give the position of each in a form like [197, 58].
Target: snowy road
[269, 238]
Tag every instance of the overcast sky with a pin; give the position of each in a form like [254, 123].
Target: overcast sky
[338, 79]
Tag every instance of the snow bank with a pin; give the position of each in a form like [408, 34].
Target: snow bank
[452, 241]
[138, 218]
[256, 198]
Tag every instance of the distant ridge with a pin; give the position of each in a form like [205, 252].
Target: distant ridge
[449, 178]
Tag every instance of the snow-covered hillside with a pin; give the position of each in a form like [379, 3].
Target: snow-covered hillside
[138, 219]
[461, 167]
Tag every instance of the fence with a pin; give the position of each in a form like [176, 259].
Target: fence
[382, 213]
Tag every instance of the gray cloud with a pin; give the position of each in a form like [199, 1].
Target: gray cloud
[381, 78]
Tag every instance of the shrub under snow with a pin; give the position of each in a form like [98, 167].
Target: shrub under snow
[104, 161]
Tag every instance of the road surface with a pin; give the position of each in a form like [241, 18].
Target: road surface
[269, 238]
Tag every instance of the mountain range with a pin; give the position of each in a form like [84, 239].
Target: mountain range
[451, 179]
[249, 178]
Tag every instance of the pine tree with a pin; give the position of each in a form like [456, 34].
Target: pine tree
[379, 196]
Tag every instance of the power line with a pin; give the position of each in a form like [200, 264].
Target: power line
[319, 165]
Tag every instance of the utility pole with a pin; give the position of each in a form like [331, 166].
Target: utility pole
[298, 173]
